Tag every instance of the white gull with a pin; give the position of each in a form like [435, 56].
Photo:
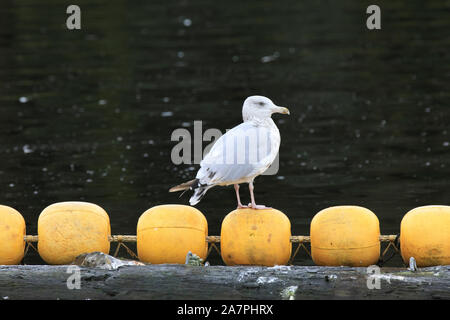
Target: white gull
[241, 154]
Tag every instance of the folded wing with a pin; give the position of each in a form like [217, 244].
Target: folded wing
[240, 154]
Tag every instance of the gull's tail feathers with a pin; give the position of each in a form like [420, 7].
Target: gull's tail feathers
[184, 186]
[199, 190]
[199, 193]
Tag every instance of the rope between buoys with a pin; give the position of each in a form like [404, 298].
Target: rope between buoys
[213, 240]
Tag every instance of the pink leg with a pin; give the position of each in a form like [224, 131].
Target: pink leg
[240, 206]
[253, 205]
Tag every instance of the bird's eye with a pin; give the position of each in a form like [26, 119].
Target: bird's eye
[261, 104]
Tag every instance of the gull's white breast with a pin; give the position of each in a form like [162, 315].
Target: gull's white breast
[241, 154]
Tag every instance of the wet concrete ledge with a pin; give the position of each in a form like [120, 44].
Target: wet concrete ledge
[220, 282]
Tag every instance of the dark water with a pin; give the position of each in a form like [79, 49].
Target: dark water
[88, 115]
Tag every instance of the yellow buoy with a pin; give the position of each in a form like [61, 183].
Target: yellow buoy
[68, 229]
[425, 235]
[256, 237]
[345, 236]
[12, 232]
[166, 233]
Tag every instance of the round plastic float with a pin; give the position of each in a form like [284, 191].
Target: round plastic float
[425, 235]
[256, 237]
[166, 233]
[345, 236]
[12, 232]
[68, 229]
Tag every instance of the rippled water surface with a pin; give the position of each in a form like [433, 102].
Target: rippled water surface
[88, 115]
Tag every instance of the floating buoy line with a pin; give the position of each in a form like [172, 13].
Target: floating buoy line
[213, 240]
[339, 236]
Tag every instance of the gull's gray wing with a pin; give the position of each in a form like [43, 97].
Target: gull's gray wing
[241, 153]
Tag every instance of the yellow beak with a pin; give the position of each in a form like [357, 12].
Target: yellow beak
[282, 110]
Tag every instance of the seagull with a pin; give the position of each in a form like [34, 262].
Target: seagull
[241, 154]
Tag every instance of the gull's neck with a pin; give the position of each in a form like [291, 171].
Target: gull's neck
[265, 122]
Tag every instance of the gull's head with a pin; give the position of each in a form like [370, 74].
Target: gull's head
[259, 107]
